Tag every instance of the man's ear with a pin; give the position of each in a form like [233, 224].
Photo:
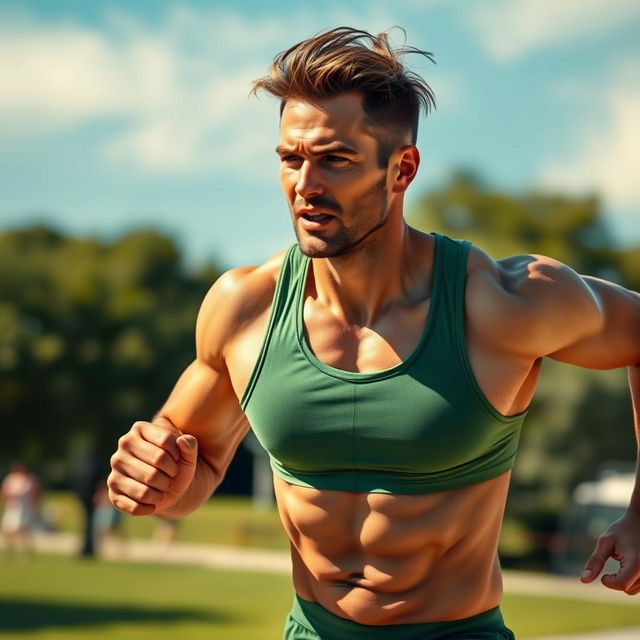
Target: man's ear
[404, 162]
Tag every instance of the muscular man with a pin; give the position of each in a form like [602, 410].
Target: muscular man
[386, 371]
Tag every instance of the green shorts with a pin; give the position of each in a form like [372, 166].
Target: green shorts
[310, 621]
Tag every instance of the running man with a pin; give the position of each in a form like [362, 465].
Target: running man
[386, 371]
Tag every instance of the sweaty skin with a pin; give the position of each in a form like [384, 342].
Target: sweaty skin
[376, 558]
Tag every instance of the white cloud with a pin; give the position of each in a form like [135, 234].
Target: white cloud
[509, 30]
[64, 74]
[179, 90]
[607, 154]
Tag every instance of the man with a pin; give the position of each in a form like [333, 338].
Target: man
[386, 371]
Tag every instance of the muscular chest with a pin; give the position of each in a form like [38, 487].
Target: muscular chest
[507, 383]
[356, 347]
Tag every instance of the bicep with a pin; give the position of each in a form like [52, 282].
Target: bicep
[203, 402]
[616, 342]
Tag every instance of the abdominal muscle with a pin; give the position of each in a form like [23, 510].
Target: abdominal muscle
[383, 559]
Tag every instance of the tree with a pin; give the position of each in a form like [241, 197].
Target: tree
[91, 336]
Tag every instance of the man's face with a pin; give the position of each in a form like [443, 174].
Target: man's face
[330, 175]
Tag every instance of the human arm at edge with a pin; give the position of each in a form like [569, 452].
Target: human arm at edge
[203, 403]
[169, 466]
[550, 310]
[616, 343]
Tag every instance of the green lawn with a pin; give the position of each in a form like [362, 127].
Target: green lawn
[531, 616]
[65, 598]
[61, 598]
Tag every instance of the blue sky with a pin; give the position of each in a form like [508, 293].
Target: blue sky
[120, 114]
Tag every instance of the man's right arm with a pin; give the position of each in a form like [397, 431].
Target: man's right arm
[171, 465]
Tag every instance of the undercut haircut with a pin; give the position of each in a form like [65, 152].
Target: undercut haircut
[343, 60]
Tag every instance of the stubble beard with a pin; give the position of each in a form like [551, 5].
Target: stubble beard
[347, 241]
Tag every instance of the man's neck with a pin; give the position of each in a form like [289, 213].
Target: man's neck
[363, 284]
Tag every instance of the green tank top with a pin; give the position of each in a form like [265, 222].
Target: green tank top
[421, 426]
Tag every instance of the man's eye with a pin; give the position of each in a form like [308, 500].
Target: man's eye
[290, 159]
[335, 159]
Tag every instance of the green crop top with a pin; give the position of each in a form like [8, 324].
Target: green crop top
[421, 426]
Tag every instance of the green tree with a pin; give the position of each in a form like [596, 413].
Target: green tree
[91, 337]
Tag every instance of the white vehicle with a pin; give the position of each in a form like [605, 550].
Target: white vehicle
[595, 505]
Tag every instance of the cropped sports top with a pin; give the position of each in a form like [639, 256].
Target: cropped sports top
[421, 426]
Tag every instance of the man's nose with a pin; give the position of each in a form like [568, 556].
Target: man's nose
[308, 184]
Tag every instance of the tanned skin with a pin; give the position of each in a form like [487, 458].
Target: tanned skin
[375, 558]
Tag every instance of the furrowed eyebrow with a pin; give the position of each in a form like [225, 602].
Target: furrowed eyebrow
[320, 151]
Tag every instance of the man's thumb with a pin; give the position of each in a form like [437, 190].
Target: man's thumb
[595, 563]
[188, 448]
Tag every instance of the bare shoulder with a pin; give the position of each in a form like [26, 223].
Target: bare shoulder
[238, 297]
[531, 303]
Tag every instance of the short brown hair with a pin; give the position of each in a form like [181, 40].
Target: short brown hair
[345, 59]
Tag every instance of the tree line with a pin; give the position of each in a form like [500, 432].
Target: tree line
[93, 334]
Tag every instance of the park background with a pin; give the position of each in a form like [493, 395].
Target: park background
[134, 169]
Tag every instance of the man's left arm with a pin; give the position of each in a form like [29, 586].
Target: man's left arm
[615, 343]
[621, 540]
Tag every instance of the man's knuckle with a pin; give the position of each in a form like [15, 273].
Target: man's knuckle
[137, 509]
[119, 503]
[158, 457]
[137, 427]
[149, 495]
[134, 509]
[162, 482]
[166, 439]
[151, 477]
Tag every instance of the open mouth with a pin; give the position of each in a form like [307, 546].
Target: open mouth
[319, 218]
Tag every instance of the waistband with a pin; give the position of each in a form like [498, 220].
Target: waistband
[327, 625]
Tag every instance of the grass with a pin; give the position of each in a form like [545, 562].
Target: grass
[61, 598]
[532, 616]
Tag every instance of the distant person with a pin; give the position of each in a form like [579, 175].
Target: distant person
[107, 521]
[20, 493]
[87, 479]
[386, 371]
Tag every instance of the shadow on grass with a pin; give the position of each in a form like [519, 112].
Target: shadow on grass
[23, 615]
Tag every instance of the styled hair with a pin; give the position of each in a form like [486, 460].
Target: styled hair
[344, 59]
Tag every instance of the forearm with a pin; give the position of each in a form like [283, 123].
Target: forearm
[202, 486]
[634, 386]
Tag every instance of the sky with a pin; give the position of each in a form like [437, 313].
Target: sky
[120, 114]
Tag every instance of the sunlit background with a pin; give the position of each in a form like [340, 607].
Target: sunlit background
[115, 114]
[135, 168]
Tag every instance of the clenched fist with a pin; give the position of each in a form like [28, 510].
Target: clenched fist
[152, 468]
